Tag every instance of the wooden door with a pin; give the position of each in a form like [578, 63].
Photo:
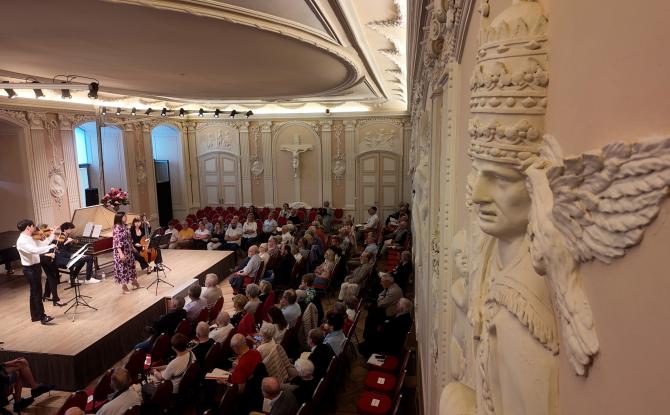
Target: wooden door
[378, 184]
[219, 178]
[230, 181]
[209, 180]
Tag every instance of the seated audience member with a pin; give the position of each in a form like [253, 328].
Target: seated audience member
[306, 292]
[185, 239]
[196, 305]
[286, 237]
[281, 272]
[252, 291]
[249, 232]
[174, 236]
[285, 211]
[250, 270]
[167, 323]
[212, 291]
[385, 304]
[304, 384]
[403, 270]
[263, 253]
[389, 336]
[273, 354]
[305, 246]
[201, 236]
[324, 271]
[370, 224]
[222, 329]
[320, 352]
[269, 226]
[295, 251]
[354, 281]
[371, 248]
[327, 214]
[278, 320]
[290, 309]
[247, 360]
[174, 371]
[216, 238]
[203, 341]
[232, 239]
[403, 209]
[209, 225]
[335, 337]
[266, 288]
[397, 238]
[274, 243]
[351, 303]
[345, 241]
[334, 244]
[239, 301]
[16, 375]
[294, 218]
[281, 402]
[123, 397]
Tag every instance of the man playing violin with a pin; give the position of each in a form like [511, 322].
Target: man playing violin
[64, 254]
[42, 237]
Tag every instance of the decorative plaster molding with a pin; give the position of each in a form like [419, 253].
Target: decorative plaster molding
[339, 163]
[19, 117]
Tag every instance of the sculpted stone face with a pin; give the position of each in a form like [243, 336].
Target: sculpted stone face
[502, 200]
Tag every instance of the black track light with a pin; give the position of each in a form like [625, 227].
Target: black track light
[201, 113]
[182, 112]
[164, 112]
[38, 92]
[65, 93]
[233, 113]
[148, 111]
[93, 90]
[118, 111]
[217, 112]
[133, 112]
[10, 92]
[249, 113]
[327, 110]
[104, 111]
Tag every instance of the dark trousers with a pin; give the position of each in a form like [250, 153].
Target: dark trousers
[34, 275]
[77, 266]
[53, 278]
[138, 258]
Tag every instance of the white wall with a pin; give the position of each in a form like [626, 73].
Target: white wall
[166, 144]
[15, 192]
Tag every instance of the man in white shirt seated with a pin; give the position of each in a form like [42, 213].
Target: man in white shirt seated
[290, 308]
[196, 305]
[370, 224]
[233, 236]
[222, 330]
[174, 371]
[250, 270]
[174, 236]
[124, 397]
[201, 236]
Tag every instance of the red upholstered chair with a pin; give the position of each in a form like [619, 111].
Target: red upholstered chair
[162, 396]
[194, 226]
[212, 357]
[378, 381]
[99, 394]
[301, 214]
[135, 364]
[390, 365]
[269, 302]
[373, 403]
[231, 210]
[76, 400]
[247, 325]
[188, 382]
[281, 221]
[184, 327]
[312, 215]
[159, 351]
[178, 227]
[216, 309]
[337, 216]
[203, 316]
[200, 213]
[229, 400]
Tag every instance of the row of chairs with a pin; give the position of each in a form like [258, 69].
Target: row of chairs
[383, 387]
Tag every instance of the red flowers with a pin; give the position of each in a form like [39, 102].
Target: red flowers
[115, 197]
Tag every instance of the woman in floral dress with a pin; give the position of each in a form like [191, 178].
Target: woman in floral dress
[124, 262]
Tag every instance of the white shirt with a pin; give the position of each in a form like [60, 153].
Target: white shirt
[234, 232]
[220, 334]
[249, 226]
[194, 308]
[176, 368]
[201, 233]
[120, 404]
[291, 313]
[30, 250]
[174, 235]
[252, 266]
[286, 238]
[372, 222]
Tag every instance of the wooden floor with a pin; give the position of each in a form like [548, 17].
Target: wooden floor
[66, 337]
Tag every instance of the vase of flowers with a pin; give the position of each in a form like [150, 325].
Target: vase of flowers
[115, 198]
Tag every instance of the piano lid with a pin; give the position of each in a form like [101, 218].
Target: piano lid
[98, 215]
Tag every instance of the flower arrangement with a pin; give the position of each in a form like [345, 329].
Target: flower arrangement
[115, 198]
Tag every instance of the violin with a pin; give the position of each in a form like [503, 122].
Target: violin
[40, 234]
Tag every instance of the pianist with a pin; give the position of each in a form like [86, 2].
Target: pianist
[30, 252]
[66, 248]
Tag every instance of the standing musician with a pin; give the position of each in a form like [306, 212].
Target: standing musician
[30, 251]
[65, 252]
[48, 263]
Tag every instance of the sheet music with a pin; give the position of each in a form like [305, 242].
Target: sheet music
[96, 231]
[88, 229]
[77, 255]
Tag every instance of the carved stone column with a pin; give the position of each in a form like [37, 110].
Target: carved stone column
[41, 198]
[350, 174]
[149, 169]
[326, 150]
[245, 175]
[268, 185]
[191, 166]
[70, 158]
[130, 156]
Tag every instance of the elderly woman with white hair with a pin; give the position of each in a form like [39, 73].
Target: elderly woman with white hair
[252, 291]
[212, 290]
[220, 332]
[273, 354]
[304, 384]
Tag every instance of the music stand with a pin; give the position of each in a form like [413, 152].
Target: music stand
[155, 243]
[78, 296]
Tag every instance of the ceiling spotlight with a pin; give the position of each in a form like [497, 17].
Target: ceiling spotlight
[38, 92]
[118, 111]
[148, 111]
[249, 113]
[181, 112]
[10, 92]
[327, 110]
[104, 111]
[133, 112]
[93, 90]
[233, 113]
[164, 112]
[65, 93]
[201, 113]
[217, 112]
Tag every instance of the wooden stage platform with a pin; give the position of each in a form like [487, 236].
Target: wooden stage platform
[71, 354]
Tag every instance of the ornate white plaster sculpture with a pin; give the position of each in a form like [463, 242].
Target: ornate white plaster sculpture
[296, 149]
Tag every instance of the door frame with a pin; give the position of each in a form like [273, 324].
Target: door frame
[218, 154]
[359, 209]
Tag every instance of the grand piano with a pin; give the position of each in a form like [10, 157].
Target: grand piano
[98, 215]
[8, 252]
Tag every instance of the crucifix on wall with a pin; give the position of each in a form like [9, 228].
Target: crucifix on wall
[296, 149]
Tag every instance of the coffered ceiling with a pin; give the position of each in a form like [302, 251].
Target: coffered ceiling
[271, 56]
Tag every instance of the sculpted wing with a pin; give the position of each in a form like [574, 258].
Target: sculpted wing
[603, 201]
